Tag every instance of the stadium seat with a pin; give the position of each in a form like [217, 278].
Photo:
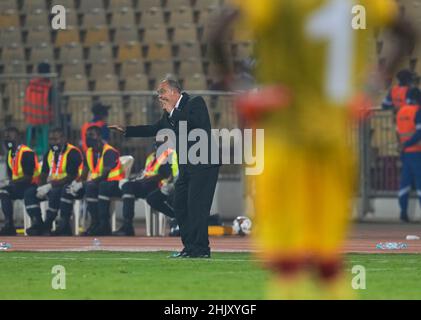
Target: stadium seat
[151, 17]
[32, 5]
[68, 4]
[243, 50]
[131, 68]
[107, 83]
[77, 82]
[181, 15]
[159, 51]
[189, 50]
[183, 32]
[9, 18]
[6, 5]
[100, 51]
[88, 5]
[95, 35]
[38, 35]
[79, 109]
[129, 51]
[205, 4]
[196, 82]
[95, 17]
[42, 52]
[123, 17]
[9, 35]
[71, 51]
[69, 35]
[36, 18]
[71, 18]
[190, 66]
[137, 111]
[145, 5]
[116, 5]
[138, 82]
[72, 68]
[14, 51]
[125, 34]
[173, 5]
[206, 16]
[116, 113]
[155, 33]
[160, 68]
[15, 67]
[99, 69]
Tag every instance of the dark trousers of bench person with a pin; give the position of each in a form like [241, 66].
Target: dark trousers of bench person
[161, 202]
[133, 190]
[107, 191]
[90, 191]
[7, 195]
[32, 204]
[192, 203]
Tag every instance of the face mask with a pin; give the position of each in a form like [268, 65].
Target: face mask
[9, 144]
[91, 143]
[55, 147]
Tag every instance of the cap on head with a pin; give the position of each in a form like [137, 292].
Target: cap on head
[43, 68]
[99, 109]
[404, 77]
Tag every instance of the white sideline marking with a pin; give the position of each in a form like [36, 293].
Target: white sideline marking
[128, 259]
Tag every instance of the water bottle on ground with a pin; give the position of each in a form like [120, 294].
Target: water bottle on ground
[391, 246]
[4, 246]
[96, 243]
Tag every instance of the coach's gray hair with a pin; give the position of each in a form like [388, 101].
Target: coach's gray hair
[173, 83]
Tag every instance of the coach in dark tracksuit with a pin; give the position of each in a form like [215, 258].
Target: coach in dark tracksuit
[195, 187]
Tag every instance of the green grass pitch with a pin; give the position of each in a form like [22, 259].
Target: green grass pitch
[151, 275]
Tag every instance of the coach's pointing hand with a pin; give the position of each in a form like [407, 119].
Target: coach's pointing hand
[117, 128]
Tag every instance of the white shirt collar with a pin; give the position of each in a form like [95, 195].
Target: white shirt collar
[177, 104]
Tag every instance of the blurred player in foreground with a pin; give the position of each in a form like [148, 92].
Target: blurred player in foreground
[311, 65]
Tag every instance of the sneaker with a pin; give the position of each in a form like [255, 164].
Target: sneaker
[8, 230]
[35, 230]
[404, 218]
[63, 231]
[181, 254]
[124, 231]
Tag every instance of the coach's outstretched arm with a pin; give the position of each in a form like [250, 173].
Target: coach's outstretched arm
[140, 131]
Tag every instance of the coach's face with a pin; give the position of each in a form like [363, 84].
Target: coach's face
[167, 96]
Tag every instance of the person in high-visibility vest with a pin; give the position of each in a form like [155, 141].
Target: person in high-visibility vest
[396, 97]
[100, 116]
[408, 127]
[102, 164]
[161, 167]
[61, 165]
[23, 172]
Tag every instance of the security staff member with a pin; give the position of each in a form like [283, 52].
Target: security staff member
[408, 122]
[397, 95]
[102, 162]
[62, 164]
[23, 170]
[158, 169]
[100, 116]
[196, 183]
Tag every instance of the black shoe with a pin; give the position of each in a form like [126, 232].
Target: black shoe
[36, 230]
[8, 230]
[124, 231]
[91, 230]
[404, 218]
[181, 254]
[199, 254]
[102, 230]
[63, 231]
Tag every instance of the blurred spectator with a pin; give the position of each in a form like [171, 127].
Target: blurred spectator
[39, 108]
[397, 94]
[100, 116]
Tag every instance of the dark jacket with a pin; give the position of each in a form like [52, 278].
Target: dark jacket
[193, 110]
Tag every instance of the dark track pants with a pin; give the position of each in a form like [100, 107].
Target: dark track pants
[192, 203]
[10, 193]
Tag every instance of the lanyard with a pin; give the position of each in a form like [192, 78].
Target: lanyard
[56, 166]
